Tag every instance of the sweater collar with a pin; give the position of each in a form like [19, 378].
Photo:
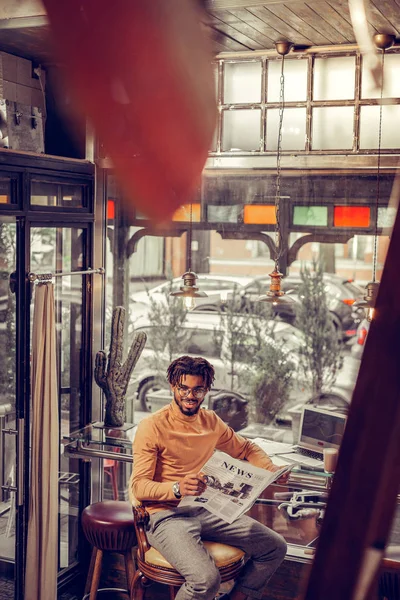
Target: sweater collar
[178, 414]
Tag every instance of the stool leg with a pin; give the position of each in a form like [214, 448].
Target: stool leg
[90, 571]
[137, 589]
[96, 575]
[114, 480]
[172, 592]
[129, 568]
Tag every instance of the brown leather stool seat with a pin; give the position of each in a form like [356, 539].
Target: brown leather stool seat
[108, 527]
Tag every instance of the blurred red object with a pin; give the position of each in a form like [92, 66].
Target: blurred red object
[141, 70]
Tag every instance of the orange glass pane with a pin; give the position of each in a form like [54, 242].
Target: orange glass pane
[351, 216]
[183, 213]
[111, 210]
[259, 214]
[4, 199]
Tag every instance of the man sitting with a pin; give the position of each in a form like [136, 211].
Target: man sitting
[169, 450]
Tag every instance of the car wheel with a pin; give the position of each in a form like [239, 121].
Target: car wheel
[337, 326]
[151, 385]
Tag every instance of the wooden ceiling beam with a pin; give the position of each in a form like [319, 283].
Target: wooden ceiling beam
[22, 14]
[10, 9]
[228, 4]
[24, 22]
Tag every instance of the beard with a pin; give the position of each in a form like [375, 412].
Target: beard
[191, 410]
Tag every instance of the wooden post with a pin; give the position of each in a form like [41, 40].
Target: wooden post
[363, 496]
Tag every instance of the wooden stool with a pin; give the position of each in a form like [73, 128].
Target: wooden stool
[109, 527]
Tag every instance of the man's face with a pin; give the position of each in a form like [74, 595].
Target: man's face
[189, 394]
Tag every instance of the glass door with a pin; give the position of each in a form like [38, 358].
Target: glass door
[62, 250]
[11, 427]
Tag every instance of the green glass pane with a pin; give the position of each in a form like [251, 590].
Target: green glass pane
[317, 216]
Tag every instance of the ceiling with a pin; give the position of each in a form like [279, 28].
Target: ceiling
[241, 25]
[234, 25]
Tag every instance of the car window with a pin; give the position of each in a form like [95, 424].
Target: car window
[170, 287]
[256, 287]
[202, 342]
[216, 284]
[332, 290]
[288, 285]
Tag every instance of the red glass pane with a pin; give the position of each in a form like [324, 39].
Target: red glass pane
[351, 216]
[111, 210]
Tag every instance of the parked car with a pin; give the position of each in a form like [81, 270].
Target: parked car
[204, 336]
[341, 294]
[217, 288]
[357, 349]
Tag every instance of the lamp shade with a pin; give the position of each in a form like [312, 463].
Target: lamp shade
[275, 294]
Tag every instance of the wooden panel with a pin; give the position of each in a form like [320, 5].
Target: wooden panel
[241, 20]
[319, 22]
[378, 22]
[284, 30]
[316, 22]
[223, 22]
[228, 4]
[390, 10]
[298, 25]
[32, 43]
[337, 14]
[10, 9]
[257, 23]
[342, 7]
[220, 43]
[219, 38]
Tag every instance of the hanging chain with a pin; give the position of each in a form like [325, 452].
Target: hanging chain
[189, 246]
[378, 178]
[278, 234]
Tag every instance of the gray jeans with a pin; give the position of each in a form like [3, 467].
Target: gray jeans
[177, 535]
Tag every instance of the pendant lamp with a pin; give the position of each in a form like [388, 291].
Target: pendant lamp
[275, 295]
[188, 291]
[382, 42]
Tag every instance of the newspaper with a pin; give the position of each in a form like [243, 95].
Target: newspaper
[233, 486]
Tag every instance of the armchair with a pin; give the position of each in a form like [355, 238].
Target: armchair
[153, 567]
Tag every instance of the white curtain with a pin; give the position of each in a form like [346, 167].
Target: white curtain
[42, 543]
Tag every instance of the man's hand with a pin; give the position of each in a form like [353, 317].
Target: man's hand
[283, 479]
[192, 484]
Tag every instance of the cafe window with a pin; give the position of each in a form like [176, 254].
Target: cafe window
[320, 115]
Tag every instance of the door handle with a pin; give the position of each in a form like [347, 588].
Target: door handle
[19, 438]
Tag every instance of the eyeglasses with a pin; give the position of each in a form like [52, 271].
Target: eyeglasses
[197, 393]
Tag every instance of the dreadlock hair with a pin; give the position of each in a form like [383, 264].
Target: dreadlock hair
[187, 365]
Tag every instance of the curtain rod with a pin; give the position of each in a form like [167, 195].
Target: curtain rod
[47, 276]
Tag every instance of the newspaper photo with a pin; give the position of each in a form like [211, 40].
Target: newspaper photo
[233, 486]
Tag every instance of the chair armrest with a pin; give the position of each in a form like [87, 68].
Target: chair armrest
[141, 519]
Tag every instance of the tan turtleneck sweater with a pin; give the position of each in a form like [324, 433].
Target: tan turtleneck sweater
[168, 445]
